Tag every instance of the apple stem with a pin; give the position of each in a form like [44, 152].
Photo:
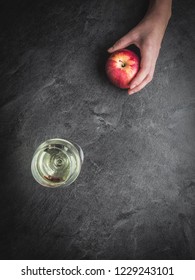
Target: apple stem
[123, 64]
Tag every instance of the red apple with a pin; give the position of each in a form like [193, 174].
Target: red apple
[121, 67]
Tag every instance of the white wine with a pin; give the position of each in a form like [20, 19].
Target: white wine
[57, 162]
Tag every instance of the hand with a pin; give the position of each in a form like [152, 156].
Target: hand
[147, 36]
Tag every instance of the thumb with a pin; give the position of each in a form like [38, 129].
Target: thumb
[124, 42]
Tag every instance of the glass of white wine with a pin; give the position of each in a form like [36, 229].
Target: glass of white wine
[57, 162]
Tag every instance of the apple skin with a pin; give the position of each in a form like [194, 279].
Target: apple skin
[121, 67]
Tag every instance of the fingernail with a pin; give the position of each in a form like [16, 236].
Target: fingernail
[132, 86]
[131, 92]
[110, 49]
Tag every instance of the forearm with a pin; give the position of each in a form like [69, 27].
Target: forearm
[158, 14]
[160, 8]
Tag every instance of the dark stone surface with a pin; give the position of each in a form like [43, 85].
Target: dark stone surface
[135, 197]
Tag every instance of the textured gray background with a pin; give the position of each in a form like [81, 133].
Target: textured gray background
[135, 197]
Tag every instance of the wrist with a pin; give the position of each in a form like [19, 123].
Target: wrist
[160, 10]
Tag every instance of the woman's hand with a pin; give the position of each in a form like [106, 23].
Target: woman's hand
[147, 36]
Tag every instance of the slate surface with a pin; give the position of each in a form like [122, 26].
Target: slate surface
[135, 197]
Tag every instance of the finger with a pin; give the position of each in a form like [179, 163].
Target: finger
[141, 86]
[146, 81]
[124, 42]
[146, 61]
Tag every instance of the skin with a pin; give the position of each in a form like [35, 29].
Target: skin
[147, 36]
